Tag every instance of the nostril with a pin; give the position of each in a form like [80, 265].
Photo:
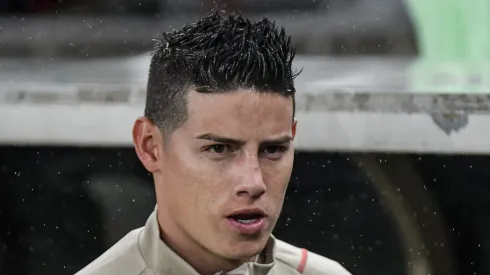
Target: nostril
[258, 195]
[253, 194]
[242, 193]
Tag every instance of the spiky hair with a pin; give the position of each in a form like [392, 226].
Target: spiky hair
[217, 54]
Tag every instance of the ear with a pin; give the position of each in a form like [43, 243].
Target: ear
[293, 129]
[147, 140]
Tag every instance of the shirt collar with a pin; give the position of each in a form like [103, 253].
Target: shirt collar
[164, 261]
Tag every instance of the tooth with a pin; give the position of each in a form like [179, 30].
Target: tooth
[247, 221]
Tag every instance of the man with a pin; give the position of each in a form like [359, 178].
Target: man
[217, 135]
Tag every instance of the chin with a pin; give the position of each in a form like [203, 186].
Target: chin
[246, 248]
[243, 256]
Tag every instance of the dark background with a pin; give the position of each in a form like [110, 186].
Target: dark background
[62, 207]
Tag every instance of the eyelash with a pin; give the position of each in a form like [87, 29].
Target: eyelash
[279, 148]
[210, 147]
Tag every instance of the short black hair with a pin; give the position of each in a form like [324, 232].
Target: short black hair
[216, 54]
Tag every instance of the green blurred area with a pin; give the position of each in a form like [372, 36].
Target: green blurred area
[454, 45]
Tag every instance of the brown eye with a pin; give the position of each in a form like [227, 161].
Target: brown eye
[273, 151]
[219, 148]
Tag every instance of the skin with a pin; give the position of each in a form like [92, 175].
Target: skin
[234, 152]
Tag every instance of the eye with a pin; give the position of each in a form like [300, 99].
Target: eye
[273, 151]
[219, 148]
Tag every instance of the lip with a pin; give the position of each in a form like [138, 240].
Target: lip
[248, 211]
[253, 228]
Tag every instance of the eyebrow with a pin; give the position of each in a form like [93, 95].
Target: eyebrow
[238, 142]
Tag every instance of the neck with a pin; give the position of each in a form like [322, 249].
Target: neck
[201, 259]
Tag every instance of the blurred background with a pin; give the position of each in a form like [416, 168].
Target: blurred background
[122, 27]
[392, 170]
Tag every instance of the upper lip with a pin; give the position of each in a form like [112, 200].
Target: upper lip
[248, 211]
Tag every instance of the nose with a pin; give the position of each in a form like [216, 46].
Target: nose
[251, 183]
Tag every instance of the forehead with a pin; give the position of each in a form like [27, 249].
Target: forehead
[242, 113]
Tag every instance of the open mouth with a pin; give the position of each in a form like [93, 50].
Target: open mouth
[246, 218]
[248, 222]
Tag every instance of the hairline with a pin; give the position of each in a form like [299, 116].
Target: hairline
[167, 133]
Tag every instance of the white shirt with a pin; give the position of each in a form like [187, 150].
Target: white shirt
[142, 252]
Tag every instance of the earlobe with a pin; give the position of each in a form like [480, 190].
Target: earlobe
[145, 144]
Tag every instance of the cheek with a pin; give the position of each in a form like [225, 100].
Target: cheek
[277, 176]
[197, 181]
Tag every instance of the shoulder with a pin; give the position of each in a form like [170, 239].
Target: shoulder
[307, 262]
[123, 258]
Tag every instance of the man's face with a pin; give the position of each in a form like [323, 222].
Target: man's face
[224, 172]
